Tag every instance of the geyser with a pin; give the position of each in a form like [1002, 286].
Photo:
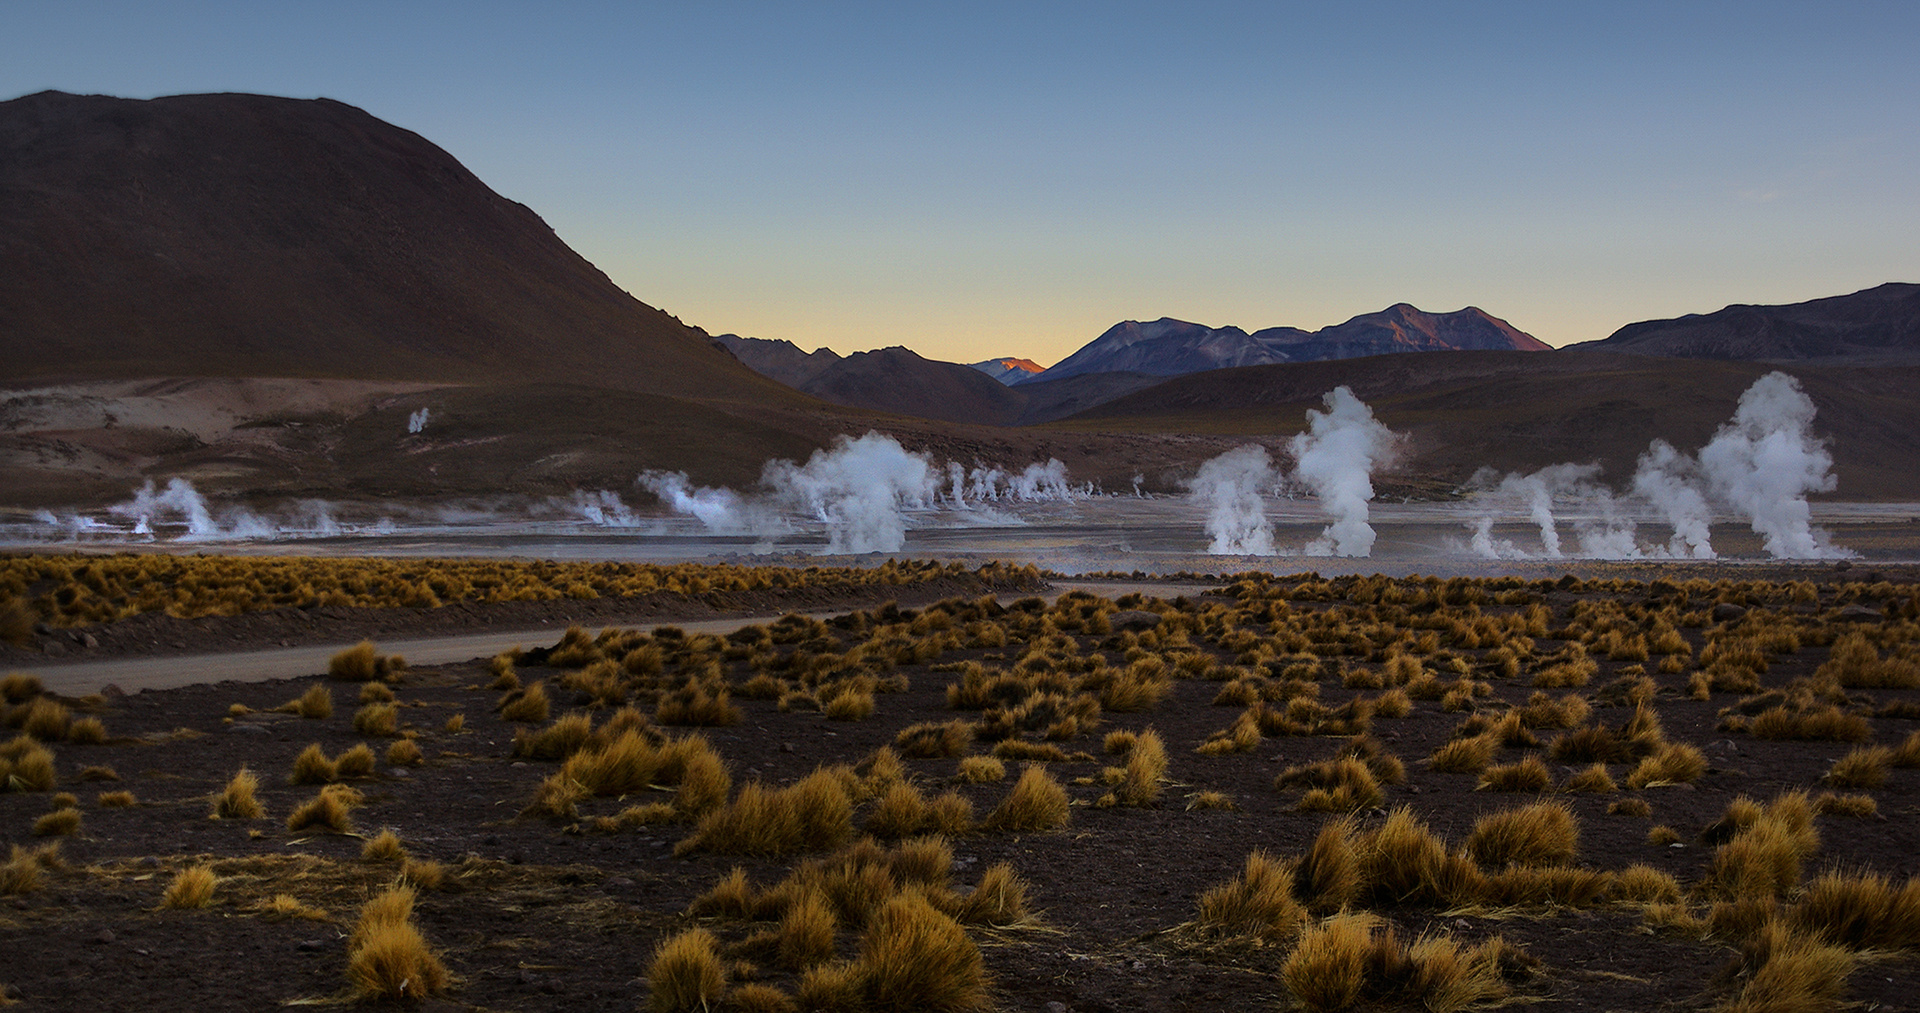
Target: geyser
[1336, 459]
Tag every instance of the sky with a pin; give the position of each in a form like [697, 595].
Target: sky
[980, 180]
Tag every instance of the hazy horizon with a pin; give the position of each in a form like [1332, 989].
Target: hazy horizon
[1004, 182]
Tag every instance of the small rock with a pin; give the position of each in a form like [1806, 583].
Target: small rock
[786, 747]
[43, 629]
[1857, 613]
[1727, 612]
[244, 729]
[53, 649]
[311, 945]
[112, 691]
[179, 645]
[104, 936]
[617, 883]
[1056, 1007]
[399, 772]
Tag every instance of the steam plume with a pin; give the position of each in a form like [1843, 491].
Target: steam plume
[858, 489]
[1670, 481]
[1764, 463]
[1229, 486]
[1336, 458]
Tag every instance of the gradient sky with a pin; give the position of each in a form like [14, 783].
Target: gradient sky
[975, 180]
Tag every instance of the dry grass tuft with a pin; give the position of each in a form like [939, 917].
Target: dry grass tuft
[806, 931]
[1644, 884]
[115, 800]
[388, 959]
[1328, 877]
[404, 753]
[1528, 775]
[1864, 767]
[326, 811]
[58, 823]
[1673, 763]
[980, 770]
[813, 814]
[25, 765]
[1465, 756]
[913, 957]
[354, 763]
[1785, 970]
[999, 899]
[931, 739]
[313, 767]
[1036, 803]
[376, 720]
[383, 847]
[1258, 903]
[191, 888]
[1593, 780]
[315, 704]
[1544, 833]
[529, 705]
[236, 801]
[1137, 783]
[363, 662]
[1857, 806]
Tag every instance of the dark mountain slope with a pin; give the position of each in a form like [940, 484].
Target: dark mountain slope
[245, 235]
[1876, 326]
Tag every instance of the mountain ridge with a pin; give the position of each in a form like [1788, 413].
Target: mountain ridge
[1878, 325]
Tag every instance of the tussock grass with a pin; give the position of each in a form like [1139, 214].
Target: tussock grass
[312, 766]
[697, 705]
[1527, 775]
[1817, 724]
[1862, 911]
[58, 823]
[237, 801]
[404, 753]
[1259, 902]
[931, 739]
[814, 814]
[1138, 781]
[1766, 849]
[1037, 802]
[363, 662]
[376, 720]
[1593, 780]
[329, 811]
[1784, 970]
[383, 847]
[1644, 884]
[806, 931]
[87, 731]
[1000, 898]
[375, 692]
[1328, 876]
[26, 765]
[914, 957]
[1674, 763]
[191, 888]
[1464, 756]
[1544, 833]
[980, 770]
[1403, 862]
[1864, 767]
[44, 719]
[529, 705]
[115, 800]
[315, 704]
[356, 762]
[388, 959]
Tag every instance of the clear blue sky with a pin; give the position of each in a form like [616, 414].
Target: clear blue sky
[987, 179]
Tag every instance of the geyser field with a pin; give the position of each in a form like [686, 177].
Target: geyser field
[884, 732]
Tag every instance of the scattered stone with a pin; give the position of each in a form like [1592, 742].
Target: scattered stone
[247, 729]
[1727, 612]
[1056, 1006]
[104, 936]
[311, 945]
[1136, 620]
[1857, 613]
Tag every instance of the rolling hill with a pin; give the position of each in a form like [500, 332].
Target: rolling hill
[1876, 326]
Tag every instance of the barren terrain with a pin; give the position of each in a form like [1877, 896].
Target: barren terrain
[540, 901]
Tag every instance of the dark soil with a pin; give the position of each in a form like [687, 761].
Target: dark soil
[546, 914]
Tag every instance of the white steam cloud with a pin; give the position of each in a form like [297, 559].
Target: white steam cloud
[1337, 456]
[1765, 462]
[1761, 466]
[417, 422]
[1335, 460]
[1230, 488]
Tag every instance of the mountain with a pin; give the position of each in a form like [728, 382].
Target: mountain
[247, 235]
[779, 360]
[899, 382]
[1008, 369]
[1521, 412]
[1875, 326]
[1168, 347]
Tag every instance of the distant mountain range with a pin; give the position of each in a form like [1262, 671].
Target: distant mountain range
[1008, 369]
[1168, 347]
[1876, 326]
[260, 294]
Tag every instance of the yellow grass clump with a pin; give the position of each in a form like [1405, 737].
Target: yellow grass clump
[1527, 775]
[813, 814]
[388, 959]
[1864, 767]
[363, 662]
[191, 888]
[236, 801]
[1037, 802]
[1544, 833]
[376, 720]
[58, 823]
[326, 811]
[25, 765]
[913, 957]
[404, 753]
